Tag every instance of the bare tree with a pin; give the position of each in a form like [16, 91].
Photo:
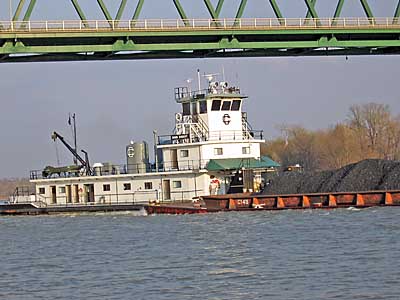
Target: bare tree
[370, 122]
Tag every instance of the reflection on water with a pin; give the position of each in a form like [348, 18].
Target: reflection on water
[335, 254]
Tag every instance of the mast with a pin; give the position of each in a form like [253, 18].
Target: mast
[76, 148]
[73, 134]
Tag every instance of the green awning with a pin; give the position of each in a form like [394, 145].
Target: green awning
[236, 163]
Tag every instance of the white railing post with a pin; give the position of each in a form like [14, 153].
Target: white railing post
[80, 25]
[145, 24]
[46, 26]
[29, 26]
[97, 25]
[225, 23]
[12, 25]
[240, 23]
[209, 23]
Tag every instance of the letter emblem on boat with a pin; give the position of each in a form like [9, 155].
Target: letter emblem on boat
[131, 152]
[226, 119]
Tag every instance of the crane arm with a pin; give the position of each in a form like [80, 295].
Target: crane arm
[55, 135]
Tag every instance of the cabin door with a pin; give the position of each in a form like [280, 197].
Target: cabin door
[166, 189]
[76, 193]
[89, 192]
[53, 189]
[68, 191]
[174, 159]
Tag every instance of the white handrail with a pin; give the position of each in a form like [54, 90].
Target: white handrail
[196, 24]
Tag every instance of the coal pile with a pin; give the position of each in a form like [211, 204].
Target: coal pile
[366, 175]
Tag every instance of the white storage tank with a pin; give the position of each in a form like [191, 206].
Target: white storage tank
[137, 157]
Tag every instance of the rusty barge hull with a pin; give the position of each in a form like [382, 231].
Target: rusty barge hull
[247, 201]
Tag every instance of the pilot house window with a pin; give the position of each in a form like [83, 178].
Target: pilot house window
[203, 107]
[235, 105]
[226, 105]
[216, 105]
[106, 187]
[194, 108]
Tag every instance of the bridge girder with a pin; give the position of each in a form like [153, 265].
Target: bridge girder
[314, 36]
[107, 45]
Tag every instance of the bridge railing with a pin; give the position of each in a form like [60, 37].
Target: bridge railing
[197, 24]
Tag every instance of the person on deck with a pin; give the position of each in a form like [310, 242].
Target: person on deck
[214, 185]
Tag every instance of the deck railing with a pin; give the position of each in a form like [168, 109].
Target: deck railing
[225, 135]
[195, 24]
[185, 94]
[104, 199]
[134, 169]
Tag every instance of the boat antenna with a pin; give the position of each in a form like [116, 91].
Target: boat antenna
[198, 79]
[155, 149]
[223, 73]
[73, 128]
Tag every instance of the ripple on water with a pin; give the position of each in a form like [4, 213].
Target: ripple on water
[313, 254]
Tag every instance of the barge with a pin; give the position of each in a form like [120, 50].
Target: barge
[252, 201]
[225, 203]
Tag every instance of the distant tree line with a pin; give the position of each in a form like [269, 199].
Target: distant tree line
[8, 186]
[370, 131]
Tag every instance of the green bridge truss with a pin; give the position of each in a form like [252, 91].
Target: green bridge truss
[112, 38]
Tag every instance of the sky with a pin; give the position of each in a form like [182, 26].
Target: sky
[116, 102]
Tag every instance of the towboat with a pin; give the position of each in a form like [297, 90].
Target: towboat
[212, 150]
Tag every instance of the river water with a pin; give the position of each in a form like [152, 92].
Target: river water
[313, 254]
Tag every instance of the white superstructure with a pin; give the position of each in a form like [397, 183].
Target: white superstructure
[211, 144]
